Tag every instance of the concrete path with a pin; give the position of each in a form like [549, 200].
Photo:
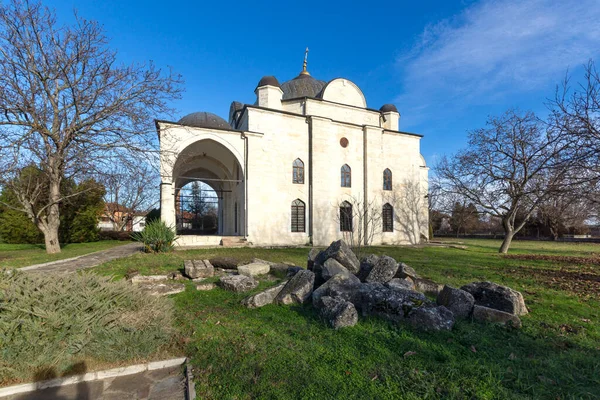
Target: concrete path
[160, 384]
[86, 261]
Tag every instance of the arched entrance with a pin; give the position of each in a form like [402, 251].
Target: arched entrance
[209, 190]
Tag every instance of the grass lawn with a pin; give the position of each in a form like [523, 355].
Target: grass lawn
[22, 255]
[287, 352]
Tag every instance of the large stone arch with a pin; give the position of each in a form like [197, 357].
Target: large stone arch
[214, 161]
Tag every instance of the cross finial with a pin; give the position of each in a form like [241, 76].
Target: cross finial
[304, 71]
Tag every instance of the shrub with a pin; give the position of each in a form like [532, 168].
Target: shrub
[115, 235]
[55, 320]
[156, 236]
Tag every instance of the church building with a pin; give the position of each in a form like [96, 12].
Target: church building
[308, 163]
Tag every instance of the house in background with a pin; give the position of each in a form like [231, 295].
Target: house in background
[118, 218]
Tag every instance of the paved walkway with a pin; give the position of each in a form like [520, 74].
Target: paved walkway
[86, 261]
[161, 384]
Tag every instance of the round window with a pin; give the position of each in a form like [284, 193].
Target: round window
[344, 142]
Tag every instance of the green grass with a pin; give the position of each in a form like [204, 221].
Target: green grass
[287, 352]
[22, 255]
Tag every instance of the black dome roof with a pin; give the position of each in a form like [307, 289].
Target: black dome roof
[303, 85]
[388, 108]
[268, 80]
[204, 120]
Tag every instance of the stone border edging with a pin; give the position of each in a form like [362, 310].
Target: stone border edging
[36, 266]
[93, 376]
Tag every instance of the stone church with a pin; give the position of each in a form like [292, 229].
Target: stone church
[302, 165]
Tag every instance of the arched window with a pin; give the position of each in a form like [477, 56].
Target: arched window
[298, 212]
[298, 169]
[346, 176]
[346, 217]
[387, 179]
[388, 218]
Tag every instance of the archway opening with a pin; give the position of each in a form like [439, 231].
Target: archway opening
[198, 209]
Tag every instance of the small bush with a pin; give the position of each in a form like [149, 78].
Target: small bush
[157, 237]
[56, 320]
[115, 235]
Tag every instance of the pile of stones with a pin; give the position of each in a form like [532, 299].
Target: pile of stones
[341, 287]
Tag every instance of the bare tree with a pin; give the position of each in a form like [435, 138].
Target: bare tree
[130, 188]
[359, 220]
[411, 210]
[510, 167]
[66, 104]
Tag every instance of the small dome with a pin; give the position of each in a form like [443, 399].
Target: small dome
[204, 120]
[303, 85]
[388, 108]
[268, 80]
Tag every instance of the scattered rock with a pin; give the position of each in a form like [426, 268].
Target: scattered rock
[148, 278]
[312, 256]
[198, 269]
[338, 313]
[176, 276]
[383, 271]
[254, 269]
[398, 283]
[458, 301]
[492, 295]
[225, 262]
[486, 314]
[161, 289]
[238, 283]
[341, 285]
[406, 271]
[205, 286]
[366, 265]
[393, 304]
[429, 287]
[431, 318]
[298, 289]
[332, 267]
[342, 253]
[291, 271]
[263, 298]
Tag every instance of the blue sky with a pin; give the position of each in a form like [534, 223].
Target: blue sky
[446, 65]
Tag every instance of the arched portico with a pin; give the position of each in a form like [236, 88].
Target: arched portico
[212, 163]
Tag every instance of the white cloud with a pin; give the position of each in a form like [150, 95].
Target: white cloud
[495, 49]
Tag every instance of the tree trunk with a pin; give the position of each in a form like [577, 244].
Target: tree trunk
[508, 237]
[51, 240]
[50, 230]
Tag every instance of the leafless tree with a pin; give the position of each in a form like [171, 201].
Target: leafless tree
[510, 167]
[66, 104]
[359, 221]
[130, 188]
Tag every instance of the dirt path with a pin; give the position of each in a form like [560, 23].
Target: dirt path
[86, 261]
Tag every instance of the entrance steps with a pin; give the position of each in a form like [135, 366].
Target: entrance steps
[190, 241]
[234, 241]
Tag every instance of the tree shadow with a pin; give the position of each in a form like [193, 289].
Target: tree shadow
[42, 376]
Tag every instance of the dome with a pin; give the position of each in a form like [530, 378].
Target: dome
[303, 85]
[204, 120]
[388, 108]
[268, 80]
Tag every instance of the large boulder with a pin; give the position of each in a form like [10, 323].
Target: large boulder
[238, 283]
[383, 271]
[225, 262]
[340, 285]
[406, 271]
[431, 318]
[427, 286]
[492, 295]
[366, 265]
[393, 304]
[458, 301]
[486, 314]
[338, 313]
[342, 253]
[404, 283]
[198, 269]
[298, 289]
[263, 298]
[312, 256]
[332, 267]
[254, 269]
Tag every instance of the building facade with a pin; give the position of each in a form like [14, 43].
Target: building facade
[307, 163]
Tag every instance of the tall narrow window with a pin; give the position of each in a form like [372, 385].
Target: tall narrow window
[346, 217]
[388, 218]
[387, 179]
[346, 176]
[298, 169]
[298, 211]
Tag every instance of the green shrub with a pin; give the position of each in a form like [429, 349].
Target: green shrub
[52, 321]
[156, 236]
